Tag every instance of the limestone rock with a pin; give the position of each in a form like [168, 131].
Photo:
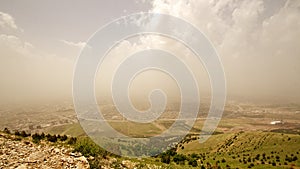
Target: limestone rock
[25, 154]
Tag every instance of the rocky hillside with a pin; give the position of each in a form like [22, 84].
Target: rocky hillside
[23, 153]
[21, 150]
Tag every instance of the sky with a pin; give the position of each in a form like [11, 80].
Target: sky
[257, 42]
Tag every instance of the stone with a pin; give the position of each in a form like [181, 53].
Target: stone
[22, 166]
[25, 154]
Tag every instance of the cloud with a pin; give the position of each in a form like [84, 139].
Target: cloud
[74, 44]
[257, 41]
[13, 43]
[7, 21]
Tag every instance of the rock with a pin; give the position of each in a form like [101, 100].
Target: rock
[82, 159]
[76, 154]
[36, 156]
[91, 158]
[128, 164]
[22, 166]
[24, 154]
[56, 150]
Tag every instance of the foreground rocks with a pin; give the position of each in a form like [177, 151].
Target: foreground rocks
[23, 154]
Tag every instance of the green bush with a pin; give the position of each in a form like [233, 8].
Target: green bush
[179, 158]
[6, 130]
[17, 133]
[63, 138]
[72, 140]
[24, 134]
[52, 139]
[88, 148]
[165, 158]
[193, 162]
[36, 138]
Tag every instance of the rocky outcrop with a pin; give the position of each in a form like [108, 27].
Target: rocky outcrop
[23, 154]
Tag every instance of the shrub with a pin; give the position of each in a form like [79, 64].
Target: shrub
[17, 133]
[43, 135]
[193, 162]
[63, 138]
[72, 140]
[257, 156]
[6, 130]
[88, 148]
[24, 134]
[179, 158]
[251, 165]
[36, 138]
[171, 152]
[52, 139]
[295, 158]
[194, 155]
[165, 159]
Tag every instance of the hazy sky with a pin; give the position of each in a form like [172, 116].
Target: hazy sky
[258, 42]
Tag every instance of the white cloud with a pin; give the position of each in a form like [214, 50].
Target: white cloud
[13, 43]
[256, 41]
[7, 21]
[74, 44]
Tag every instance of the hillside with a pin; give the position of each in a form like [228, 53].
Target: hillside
[246, 150]
[251, 149]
